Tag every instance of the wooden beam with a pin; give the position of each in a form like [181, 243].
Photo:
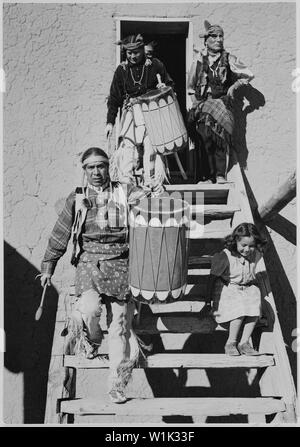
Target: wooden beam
[214, 210]
[201, 261]
[198, 361]
[284, 227]
[200, 187]
[224, 406]
[200, 232]
[279, 199]
[178, 306]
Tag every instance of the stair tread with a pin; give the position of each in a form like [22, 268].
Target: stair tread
[214, 209]
[200, 187]
[200, 232]
[178, 360]
[186, 304]
[199, 260]
[161, 406]
[177, 323]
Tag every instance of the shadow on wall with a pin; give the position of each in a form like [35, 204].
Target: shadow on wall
[284, 296]
[255, 100]
[28, 343]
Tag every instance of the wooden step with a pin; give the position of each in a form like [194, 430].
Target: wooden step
[208, 193]
[200, 187]
[200, 261]
[178, 323]
[198, 231]
[192, 304]
[208, 406]
[214, 210]
[198, 361]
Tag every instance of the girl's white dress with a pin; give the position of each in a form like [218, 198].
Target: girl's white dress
[235, 293]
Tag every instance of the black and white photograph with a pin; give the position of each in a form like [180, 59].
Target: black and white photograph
[149, 261]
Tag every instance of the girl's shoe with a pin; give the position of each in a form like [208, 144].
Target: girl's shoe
[220, 179]
[205, 181]
[246, 349]
[117, 396]
[231, 349]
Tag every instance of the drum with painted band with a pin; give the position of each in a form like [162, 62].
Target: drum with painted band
[158, 249]
[163, 120]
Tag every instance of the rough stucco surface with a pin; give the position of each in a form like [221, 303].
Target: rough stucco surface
[59, 60]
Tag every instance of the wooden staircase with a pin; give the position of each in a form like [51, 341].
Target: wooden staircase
[187, 377]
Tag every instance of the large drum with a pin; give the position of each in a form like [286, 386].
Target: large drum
[158, 249]
[163, 120]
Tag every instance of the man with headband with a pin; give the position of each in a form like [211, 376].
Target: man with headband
[213, 79]
[134, 77]
[95, 218]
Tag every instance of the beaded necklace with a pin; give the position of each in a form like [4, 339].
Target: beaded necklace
[139, 82]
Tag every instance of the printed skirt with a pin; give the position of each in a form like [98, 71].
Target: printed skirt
[108, 277]
[233, 301]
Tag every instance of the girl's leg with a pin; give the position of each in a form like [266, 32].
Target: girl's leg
[249, 325]
[234, 328]
[244, 345]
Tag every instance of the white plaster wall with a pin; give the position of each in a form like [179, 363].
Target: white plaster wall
[59, 61]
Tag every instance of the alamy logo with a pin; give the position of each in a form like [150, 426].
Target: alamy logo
[172, 209]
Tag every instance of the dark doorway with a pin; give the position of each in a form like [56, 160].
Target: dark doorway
[170, 38]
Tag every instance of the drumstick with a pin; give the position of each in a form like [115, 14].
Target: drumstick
[39, 311]
[158, 78]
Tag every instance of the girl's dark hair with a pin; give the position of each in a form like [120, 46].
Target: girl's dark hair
[244, 230]
[93, 151]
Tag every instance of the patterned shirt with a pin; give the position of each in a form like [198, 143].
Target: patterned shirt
[104, 230]
[235, 269]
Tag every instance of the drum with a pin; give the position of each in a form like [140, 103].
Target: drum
[158, 249]
[163, 120]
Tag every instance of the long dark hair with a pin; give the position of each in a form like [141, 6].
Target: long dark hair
[93, 151]
[244, 229]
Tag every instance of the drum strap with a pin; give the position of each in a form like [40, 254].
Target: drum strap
[120, 197]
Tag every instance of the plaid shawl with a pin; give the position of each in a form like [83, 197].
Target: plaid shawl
[219, 112]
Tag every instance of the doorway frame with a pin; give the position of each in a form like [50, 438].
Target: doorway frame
[189, 54]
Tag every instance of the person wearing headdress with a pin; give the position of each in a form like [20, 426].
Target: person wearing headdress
[94, 217]
[150, 49]
[213, 79]
[134, 77]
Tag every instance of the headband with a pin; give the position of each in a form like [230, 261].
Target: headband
[95, 159]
